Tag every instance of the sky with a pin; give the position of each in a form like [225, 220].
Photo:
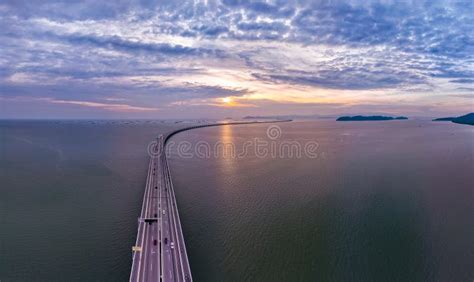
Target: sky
[232, 58]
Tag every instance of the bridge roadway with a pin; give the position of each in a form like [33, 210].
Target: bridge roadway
[159, 253]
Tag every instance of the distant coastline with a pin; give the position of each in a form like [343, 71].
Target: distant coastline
[369, 118]
[465, 119]
[292, 117]
[444, 119]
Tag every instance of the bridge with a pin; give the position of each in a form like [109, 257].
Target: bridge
[160, 253]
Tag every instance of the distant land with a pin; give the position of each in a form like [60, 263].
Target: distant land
[465, 119]
[260, 117]
[444, 119]
[368, 118]
[286, 117]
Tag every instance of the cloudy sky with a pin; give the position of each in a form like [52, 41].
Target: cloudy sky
[198, 59]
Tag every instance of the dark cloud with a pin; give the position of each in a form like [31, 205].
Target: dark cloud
[470, 89]
[465, 96]
[89, 73]
[415, 28]
[260, 7]
[120, 44]
[209, 30]
[463, 80]
[196, 91]
[142, 94]
[353, 79]
[74, 10]
[277, 27]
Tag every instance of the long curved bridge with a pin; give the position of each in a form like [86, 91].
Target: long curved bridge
[160, 253]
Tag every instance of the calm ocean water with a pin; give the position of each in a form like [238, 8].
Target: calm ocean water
[383, 201]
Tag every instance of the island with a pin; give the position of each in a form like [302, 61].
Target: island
[465, 119]
[369, 118]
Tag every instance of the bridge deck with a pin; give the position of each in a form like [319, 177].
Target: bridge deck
[159, 253]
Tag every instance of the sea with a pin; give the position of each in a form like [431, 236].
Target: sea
[314, 200]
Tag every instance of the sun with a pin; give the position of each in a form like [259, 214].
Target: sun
[227, 100]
